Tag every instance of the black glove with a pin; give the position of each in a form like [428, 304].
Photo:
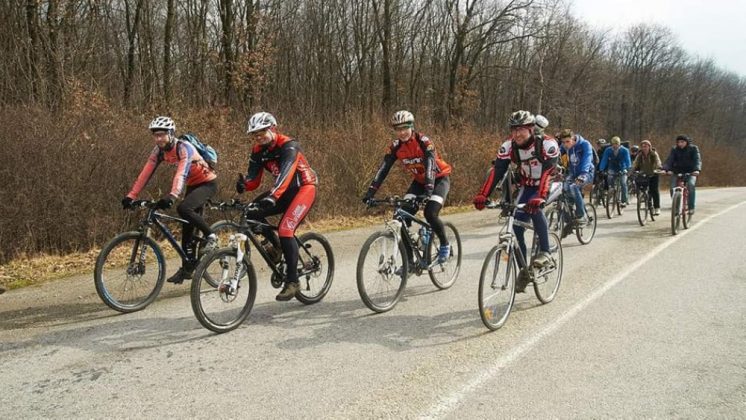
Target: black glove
[369, 196]
[240, 184]
[165, 202]
[266, 203]
[127, 203]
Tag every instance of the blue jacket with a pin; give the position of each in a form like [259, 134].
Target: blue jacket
[580, 159]
[618, 163]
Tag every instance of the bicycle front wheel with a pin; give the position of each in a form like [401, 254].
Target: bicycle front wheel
[496, 288]
[685, 216]
[642, 208]
[218, 306]
[444, 275]
[618, 201]
[548, 278]
[610, 202]
[675, 212]
[586, 232]
[129, 272]
[315, 268]
[381, 271]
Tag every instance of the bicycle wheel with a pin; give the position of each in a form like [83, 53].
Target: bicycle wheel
[381, 271]
[548, 278]
[130, 271]
[554, 222]
[219, 308]
[642, 208]
[675, 212]
[609, 202]
[685, 216]
[618, 200]
[651, 210]
[496, 287]
[586, 232]
[444, 275]
[315, 268]
[224, 229]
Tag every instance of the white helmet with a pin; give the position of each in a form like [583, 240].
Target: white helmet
[163, 123]
[541, 121]
[401, 118]
[260, 121]
[521, 118]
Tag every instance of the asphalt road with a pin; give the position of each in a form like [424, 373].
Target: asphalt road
[645, 325]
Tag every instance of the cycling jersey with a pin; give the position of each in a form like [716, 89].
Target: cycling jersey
[285, 161]
[191, 169]
[419, 158]
[533, 172]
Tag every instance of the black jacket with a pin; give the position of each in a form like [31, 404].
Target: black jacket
[686, 160]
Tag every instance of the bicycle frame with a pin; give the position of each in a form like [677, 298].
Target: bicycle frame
[401, 233]
[681, 187]
[153, 218]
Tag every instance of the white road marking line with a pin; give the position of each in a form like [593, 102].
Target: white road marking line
[450, 402]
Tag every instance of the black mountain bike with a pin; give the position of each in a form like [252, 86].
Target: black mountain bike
[224, 286]
[561, 218]
[645, 208]
[390, 255]
[131, 268]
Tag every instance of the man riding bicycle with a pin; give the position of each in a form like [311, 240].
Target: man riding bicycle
[647, 162]
[191, 170]
[579, 170]
[293, 192]
[536, 157]
[430, 174]
[616, 162]
[684, 158]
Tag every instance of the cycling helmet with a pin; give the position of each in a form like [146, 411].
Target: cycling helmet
[163, 124]
[601, 142]
[402, 118]
[541, 121]
[521, 118]
[260, 121]
[635, 148]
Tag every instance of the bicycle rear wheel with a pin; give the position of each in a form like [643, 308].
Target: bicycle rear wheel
[129, 273]
[496, 287]
[643, 210]
[609, 202]
[382, 269]
[548, 278]
[315, 268]
[675, 212]
[220, 308]
[444, 275]
[586, 232]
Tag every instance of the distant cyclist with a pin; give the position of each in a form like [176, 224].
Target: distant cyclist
[648, 162]
[430, 174]
[685, 158]
[193, 174]
[579, 171]
[536, 157]
[293, 190]
[616, 162]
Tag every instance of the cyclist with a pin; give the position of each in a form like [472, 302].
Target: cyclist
[430, 174]
[616, 162]
[684, 158]
[192, 171]
[579, 170]
[293, 192]
[647, 162]
[536, 157]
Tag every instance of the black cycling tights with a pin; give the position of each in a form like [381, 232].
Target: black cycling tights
[191, 209]
[432, 210]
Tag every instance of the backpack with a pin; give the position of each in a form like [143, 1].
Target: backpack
[207, 152]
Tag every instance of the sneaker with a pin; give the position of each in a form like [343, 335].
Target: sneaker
[623, 204]
[581, 221]
[656, 212]
[211, 244]
[541, 259]
[288, 291]
[180, 275]
[522, 280]
[443, 253]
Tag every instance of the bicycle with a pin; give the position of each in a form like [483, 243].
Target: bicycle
[227, 274]
[613, 199]
[144, 256]
[229, 225]
[499, 270]
[598, 192]
[680, 203]
[560, 216]
[384, 264]
[645, 208]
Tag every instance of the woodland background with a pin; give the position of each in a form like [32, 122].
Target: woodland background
[81, 79]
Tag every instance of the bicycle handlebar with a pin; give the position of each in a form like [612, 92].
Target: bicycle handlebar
[233, 204]
[396, 201]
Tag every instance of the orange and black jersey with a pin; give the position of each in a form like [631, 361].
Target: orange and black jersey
[285, 161]
[419, 158]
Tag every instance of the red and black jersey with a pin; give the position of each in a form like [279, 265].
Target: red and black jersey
[419, 159]
[285, 161]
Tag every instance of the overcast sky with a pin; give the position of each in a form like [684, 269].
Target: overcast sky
[707, 28]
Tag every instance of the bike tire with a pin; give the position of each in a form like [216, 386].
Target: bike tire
[130, 284]
[609, 202]
[651, 210]
[224, 229]
[444, 276]
[586, 233]
[315, 284]
[675, 212]
[685, 216]
[497, 287]
[618, 201]
[547, 285]
[390, 286]
[643, 210]
[213, 308]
